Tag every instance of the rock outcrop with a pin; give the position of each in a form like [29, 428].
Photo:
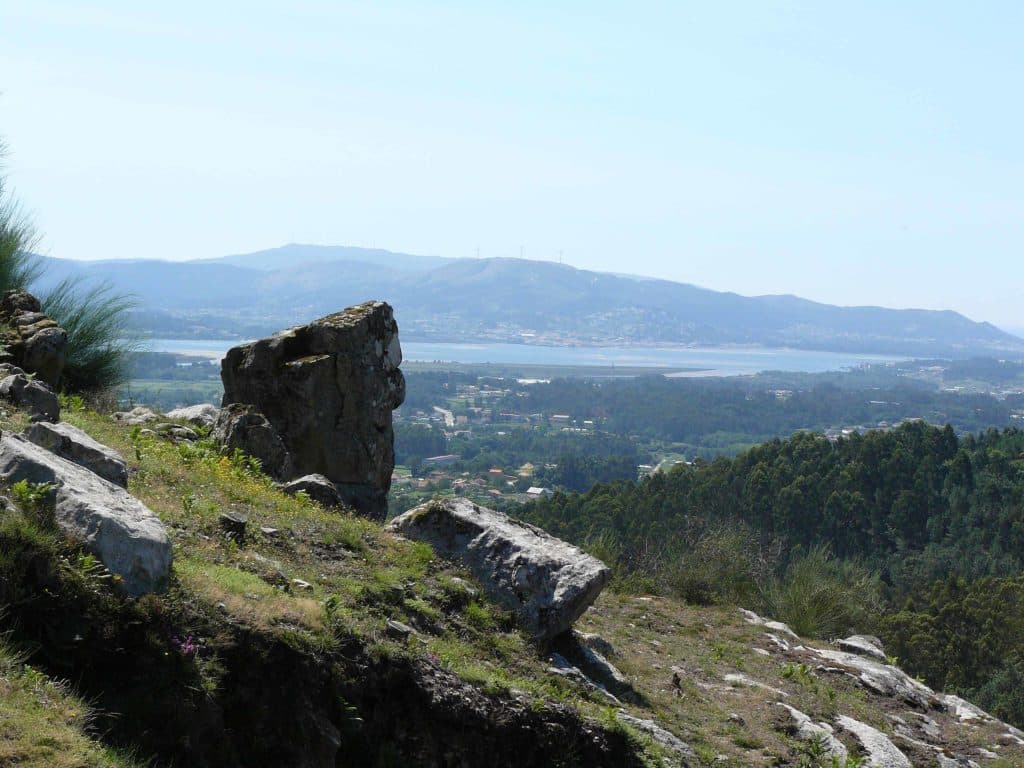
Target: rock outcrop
[71, 443]
[201, 415]
[33, 396]
[546, 582]
[33, 341]
[116, 527]
[243, 428]
[328, 388]
[317, 487]
[137, 416]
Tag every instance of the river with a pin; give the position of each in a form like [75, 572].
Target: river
[700, 361]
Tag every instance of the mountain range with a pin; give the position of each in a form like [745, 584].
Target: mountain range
[510, 300]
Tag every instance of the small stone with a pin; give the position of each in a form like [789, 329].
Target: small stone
[302, 586]
[233, 524]
[397, 630]
[266, 530]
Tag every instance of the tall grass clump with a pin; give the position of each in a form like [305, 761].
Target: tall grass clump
[99, 340]
[18, 266]
[819, 596]
[723, 565]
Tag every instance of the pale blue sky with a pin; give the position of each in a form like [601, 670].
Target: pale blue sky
[855, 153]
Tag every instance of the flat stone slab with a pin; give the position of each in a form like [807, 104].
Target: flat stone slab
[545, 581]
[71, 443]
[104, 518]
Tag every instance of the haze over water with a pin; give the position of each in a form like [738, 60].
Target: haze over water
[711, 361]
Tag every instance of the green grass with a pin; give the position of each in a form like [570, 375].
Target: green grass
[43, 725]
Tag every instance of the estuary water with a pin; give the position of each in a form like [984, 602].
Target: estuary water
[691, 361]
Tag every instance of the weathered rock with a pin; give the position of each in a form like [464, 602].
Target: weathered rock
[34, 396]
[545, 581]
[317, 487]
[596, 643]
[883, 679]
[137, 416]
[778, 626]
[234, 525]
[176, 433]
[864, 645]
[562, 667]
[73, 444]
[202, 415]
[242, 427]
[806, 729]
[660, 735]
[881, 752]
[117, 528]
[576, 649]
[328, 388]
[35, 342]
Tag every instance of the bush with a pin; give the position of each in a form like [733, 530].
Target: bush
[724, 565]
[819, 596]
[18, 267]
[99, 341]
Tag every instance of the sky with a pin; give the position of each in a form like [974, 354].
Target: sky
[851, 153]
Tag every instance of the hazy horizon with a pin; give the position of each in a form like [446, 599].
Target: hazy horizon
[866, 156]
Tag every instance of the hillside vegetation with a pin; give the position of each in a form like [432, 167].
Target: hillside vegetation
[911, 532]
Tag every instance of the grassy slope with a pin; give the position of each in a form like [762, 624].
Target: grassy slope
[360, 576]
[42, 725]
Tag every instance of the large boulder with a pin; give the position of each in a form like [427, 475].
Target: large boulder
[546, 582]
[104, 518]
[32, 395]
[201, 415]
[34, 341]
[243, 428]
[73, 444]
[329, 388]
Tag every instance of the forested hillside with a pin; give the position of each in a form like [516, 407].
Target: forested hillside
[932, 525]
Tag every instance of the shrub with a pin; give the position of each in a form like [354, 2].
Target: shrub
[819, 596]
[99, 342]
[724, 565]
[18, 267]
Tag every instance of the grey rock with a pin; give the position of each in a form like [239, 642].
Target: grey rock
[34, 396]
[564, 668]
[397, 630]
[594, 664]
[176, 433]
[317, 487]
[883, 679]
[864, 645]
[233, 525]
[778, 626]
[806, 729]
[242, 427]
[34, 341]
[73, 444]
[329, 388]
[660, 735]
[202, 415]
[136, 416]
[546, 582]
[105, 519]
[881, 752]
[596, 643]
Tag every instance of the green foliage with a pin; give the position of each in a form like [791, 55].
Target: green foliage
[819, 596]
[18, 267]
[99, 340]
[724, 565]
[966, 638]
[32, 497]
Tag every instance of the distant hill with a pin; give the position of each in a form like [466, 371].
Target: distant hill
[511, 300]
